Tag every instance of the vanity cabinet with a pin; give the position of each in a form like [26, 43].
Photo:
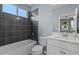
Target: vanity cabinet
[58, 47]
[53, 50]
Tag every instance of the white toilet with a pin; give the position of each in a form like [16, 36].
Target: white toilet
[37, 50]
[42, 41]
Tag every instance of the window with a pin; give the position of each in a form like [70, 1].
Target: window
[9, 9]
[13, 10]
[22, 12]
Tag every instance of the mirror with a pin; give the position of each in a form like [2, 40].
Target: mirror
[68, 22]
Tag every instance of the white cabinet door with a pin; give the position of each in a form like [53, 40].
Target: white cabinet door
[55, 42]
[52, 50]
[55, 47]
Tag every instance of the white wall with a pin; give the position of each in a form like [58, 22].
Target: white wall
[45, 23]
[49, 16]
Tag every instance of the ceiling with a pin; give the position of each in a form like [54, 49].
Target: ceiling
[28, 6]
[24, 6]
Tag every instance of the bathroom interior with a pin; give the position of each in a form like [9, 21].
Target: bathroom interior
[39, 29]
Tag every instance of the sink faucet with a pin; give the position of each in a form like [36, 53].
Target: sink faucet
[74, 34]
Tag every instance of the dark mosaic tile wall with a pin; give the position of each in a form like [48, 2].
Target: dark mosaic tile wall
[13, 29]
[35, 30]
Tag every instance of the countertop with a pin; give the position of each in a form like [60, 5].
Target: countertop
[59, 37]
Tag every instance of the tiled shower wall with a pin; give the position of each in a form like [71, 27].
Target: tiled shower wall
[35, 30]
[13, 29]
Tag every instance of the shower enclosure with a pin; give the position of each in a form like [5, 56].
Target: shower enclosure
[14, 28]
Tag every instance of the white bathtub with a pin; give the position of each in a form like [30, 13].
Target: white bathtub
[18, 48]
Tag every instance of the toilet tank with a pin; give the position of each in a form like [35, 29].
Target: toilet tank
[42, 41]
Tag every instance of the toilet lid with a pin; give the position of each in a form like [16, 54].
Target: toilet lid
[37, 48]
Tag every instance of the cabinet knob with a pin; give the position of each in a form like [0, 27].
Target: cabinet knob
[64, 53]
[60, 51]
